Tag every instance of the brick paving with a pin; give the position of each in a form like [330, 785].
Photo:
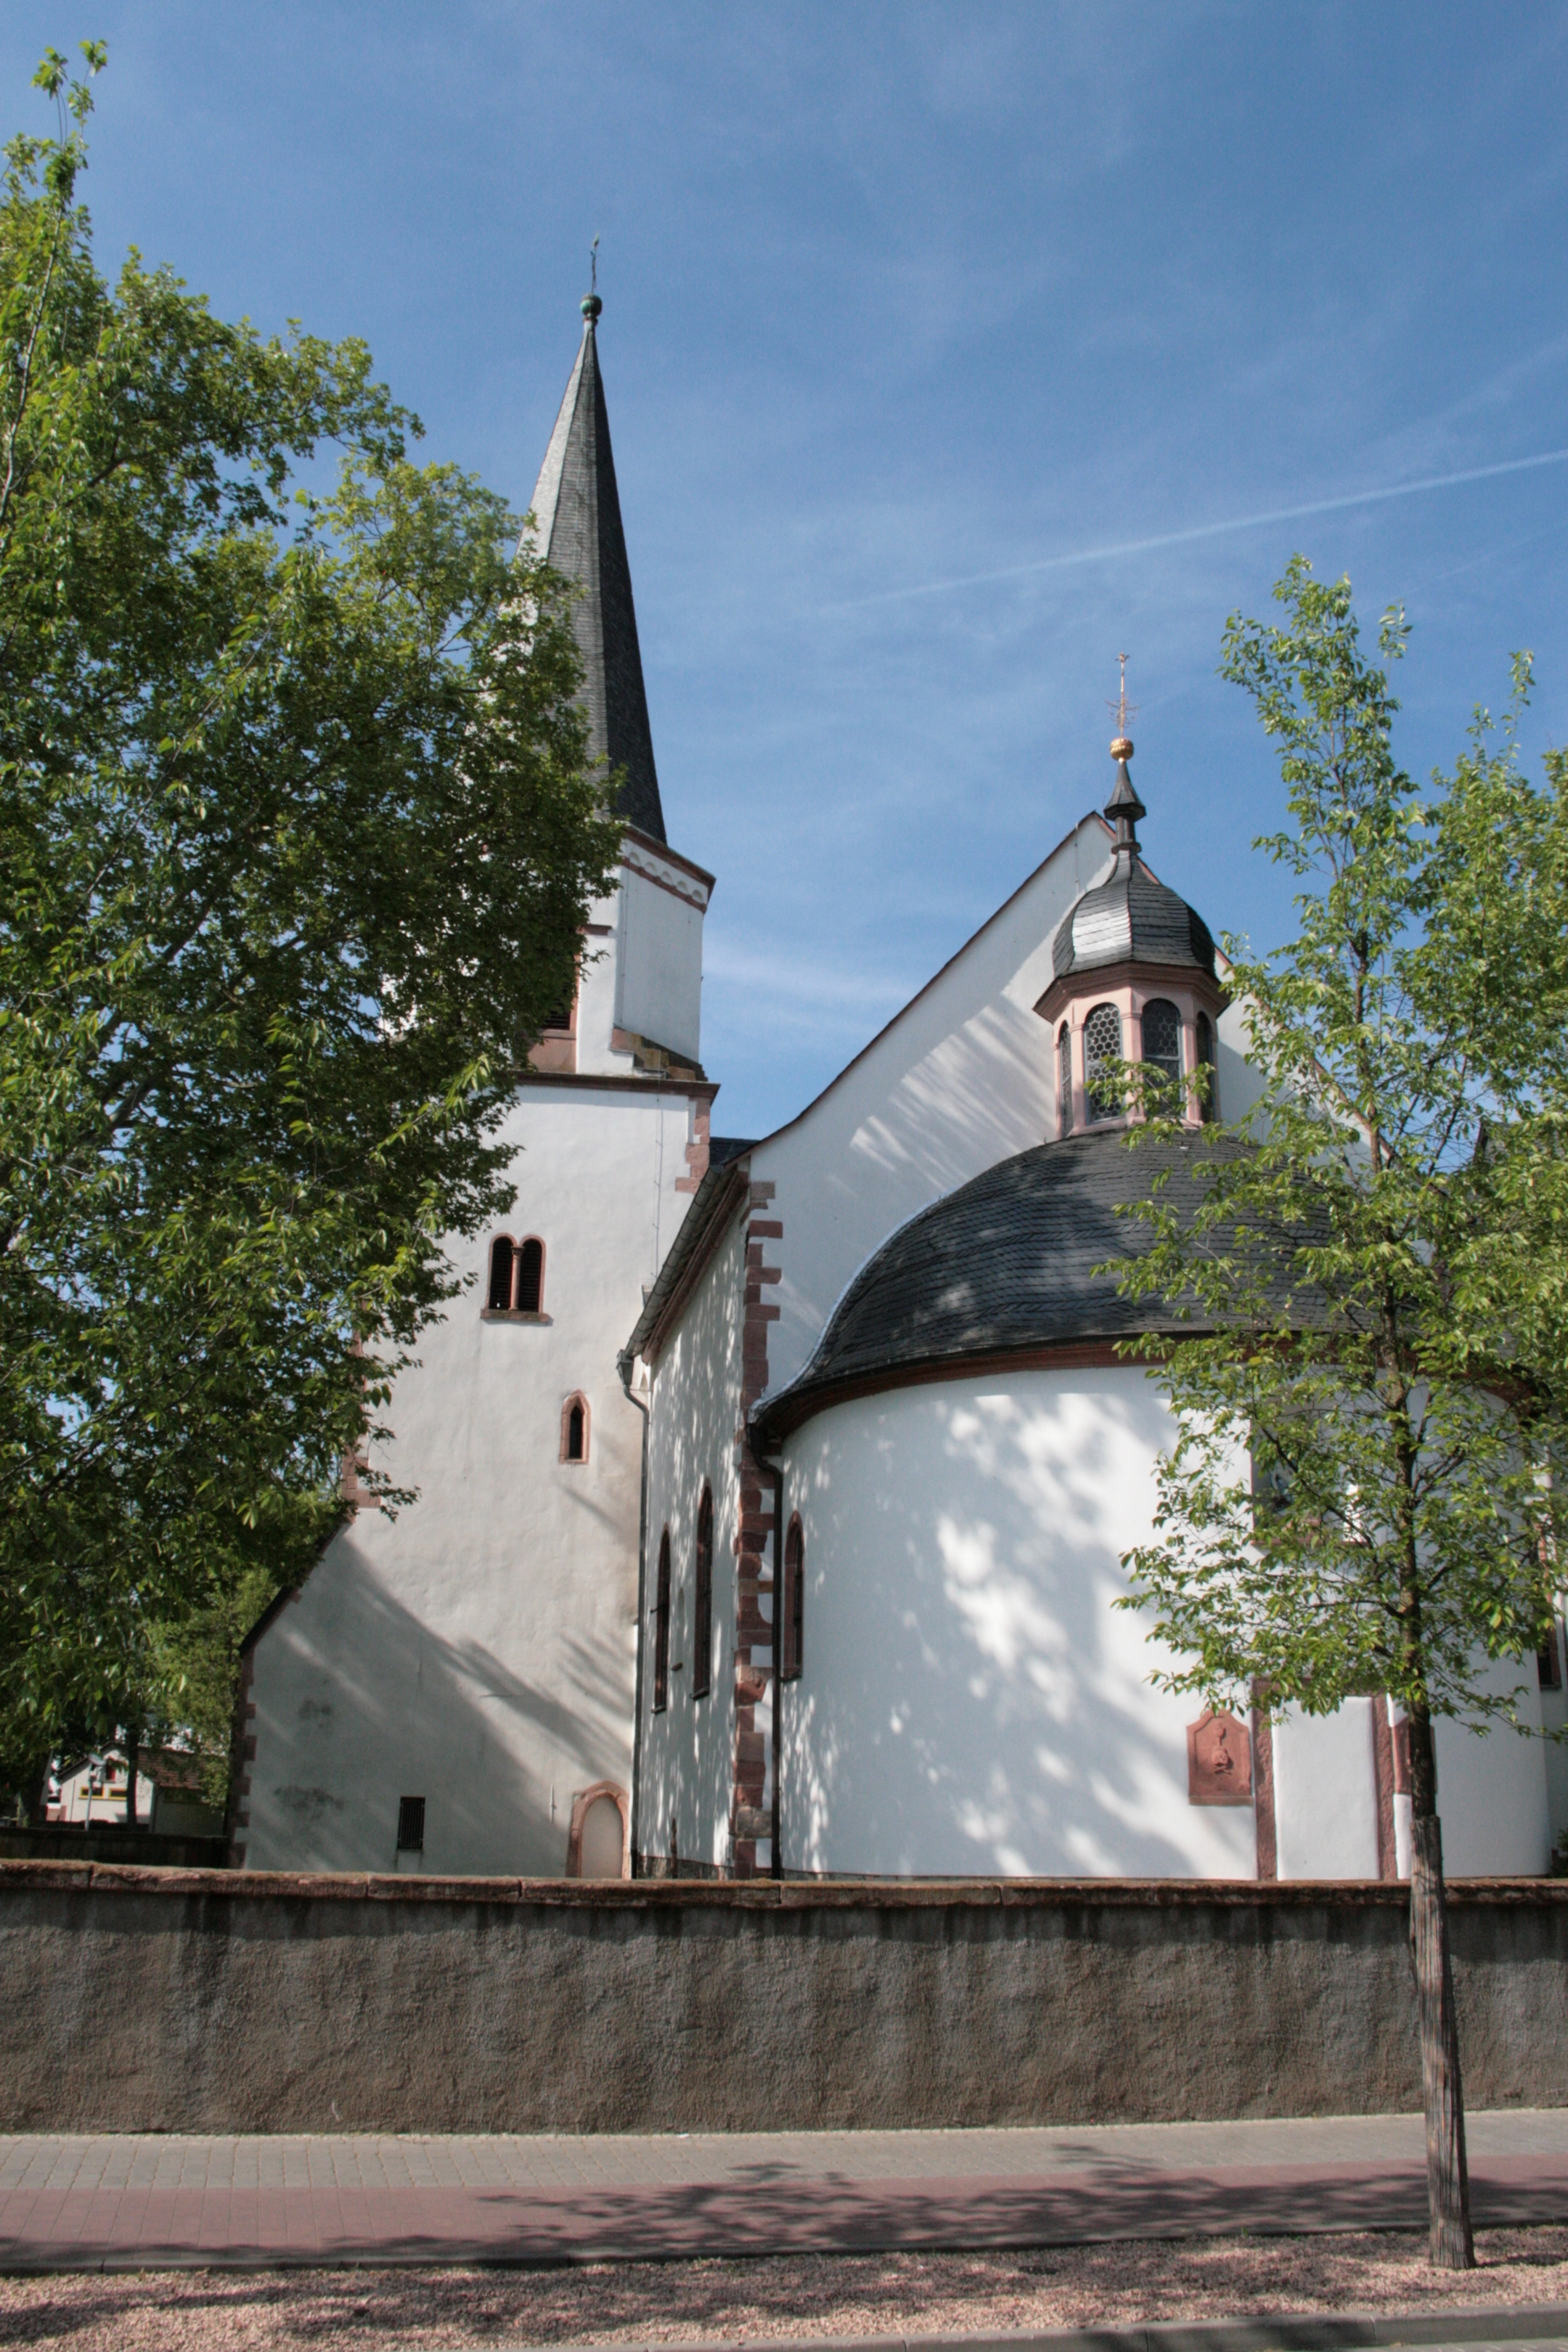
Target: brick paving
[72, 2201]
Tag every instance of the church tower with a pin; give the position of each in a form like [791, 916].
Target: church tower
[452, 1689]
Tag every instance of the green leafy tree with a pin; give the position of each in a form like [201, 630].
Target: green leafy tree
[297, 842]
[1364, 1492]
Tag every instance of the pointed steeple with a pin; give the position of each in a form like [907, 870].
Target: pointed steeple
[577, 518]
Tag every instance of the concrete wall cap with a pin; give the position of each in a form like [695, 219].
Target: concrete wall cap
[666, 1894]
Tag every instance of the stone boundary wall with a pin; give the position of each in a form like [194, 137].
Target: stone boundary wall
[136, 1999]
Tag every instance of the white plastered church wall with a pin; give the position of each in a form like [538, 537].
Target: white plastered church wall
[478, 1650]
[972, 1701]
[969, 1700]
[685, 1759]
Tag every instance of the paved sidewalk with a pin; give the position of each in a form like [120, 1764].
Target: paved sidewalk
[82, 2202]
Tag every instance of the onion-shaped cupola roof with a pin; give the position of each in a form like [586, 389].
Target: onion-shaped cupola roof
[1131, 918]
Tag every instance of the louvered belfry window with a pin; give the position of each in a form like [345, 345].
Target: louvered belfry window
[1162, 1026]
[530, 1277]
[1064, 1079]
[1101, 1052]
[498, 1297]
[702, 1610]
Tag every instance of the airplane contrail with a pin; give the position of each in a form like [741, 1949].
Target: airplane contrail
[1208, 529]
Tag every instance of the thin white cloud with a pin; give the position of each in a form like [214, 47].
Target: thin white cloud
[1206, 530]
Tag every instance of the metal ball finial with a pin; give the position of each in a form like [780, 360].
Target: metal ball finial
[1122, 747]
[591, 306]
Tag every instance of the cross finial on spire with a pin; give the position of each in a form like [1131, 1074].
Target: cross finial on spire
[591, 306]
[1121, 747]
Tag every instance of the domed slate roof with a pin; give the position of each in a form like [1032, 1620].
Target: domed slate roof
[1132, 918]
[1005, 1264]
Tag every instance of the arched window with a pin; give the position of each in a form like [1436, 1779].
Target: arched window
[702, 1605]
[1162, 1031]
[791, 1602]
[499, 1297]
[1101, 1052]
[1064, 1079]
[530, 1278]
[661, 1627]
[575, 1429]
[1205, 1062]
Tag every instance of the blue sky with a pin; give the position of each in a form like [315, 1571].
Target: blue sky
[901, 296]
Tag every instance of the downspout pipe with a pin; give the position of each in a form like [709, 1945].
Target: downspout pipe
[625, 1363]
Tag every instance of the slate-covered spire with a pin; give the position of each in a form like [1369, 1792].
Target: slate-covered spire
[577, 518]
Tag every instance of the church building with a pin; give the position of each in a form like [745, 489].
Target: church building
[880, 1352]
[772, 1494]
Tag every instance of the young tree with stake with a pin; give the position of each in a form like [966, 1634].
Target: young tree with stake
[1363, 1495]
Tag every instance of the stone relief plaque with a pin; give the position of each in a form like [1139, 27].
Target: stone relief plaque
[1219, 1762]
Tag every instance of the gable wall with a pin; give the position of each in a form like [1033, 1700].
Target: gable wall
[962, 1079]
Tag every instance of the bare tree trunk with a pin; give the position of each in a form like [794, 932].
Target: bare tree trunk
[1450, 2242]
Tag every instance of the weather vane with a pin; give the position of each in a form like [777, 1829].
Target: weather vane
[593, 275]
[1123, 710]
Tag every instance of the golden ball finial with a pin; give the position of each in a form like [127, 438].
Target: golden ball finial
[1122, 747]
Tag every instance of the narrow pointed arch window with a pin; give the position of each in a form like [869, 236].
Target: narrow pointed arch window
[531, 1276]
[702, 1601]
[661, 1627]
[1207, 1064]
[791, 1602]
[1101, 1052]
[575, 1429]
[499, 1296]
[1161, 1028]
[1064, 1078]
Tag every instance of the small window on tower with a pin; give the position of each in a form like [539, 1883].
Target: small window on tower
[530, 1277]
[1162, 1026]
[410, 1825]
[1549, 1661]
[575, 1429]
[1101, 1052]
[500, 1296]
[1064, 1079]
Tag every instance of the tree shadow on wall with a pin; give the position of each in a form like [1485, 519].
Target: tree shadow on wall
[363, 1702]
[971, 1703]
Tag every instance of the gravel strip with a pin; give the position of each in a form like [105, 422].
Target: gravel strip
[805, 2294]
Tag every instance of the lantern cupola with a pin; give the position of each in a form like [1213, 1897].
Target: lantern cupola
[1133, 980]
